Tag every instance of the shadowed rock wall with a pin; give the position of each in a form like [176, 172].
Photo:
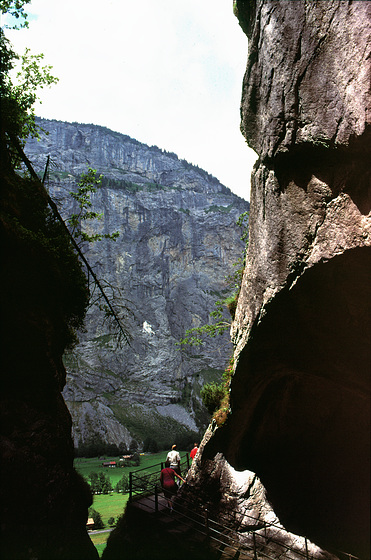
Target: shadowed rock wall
[300, 394]
[44, 502]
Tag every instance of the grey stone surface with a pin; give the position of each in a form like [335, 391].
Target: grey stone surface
[178, 242]
[300, 391]
[308, 74]
[237, 500]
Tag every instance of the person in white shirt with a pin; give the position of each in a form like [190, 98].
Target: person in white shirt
[174, 458]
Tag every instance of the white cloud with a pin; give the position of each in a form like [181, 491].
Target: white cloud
[167, 73]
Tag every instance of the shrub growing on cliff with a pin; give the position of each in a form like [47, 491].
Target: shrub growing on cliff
[89, 183]
[216, 396]
[212, 395]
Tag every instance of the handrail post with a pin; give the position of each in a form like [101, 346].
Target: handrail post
[306, 548]
[130, 485]
[254, 542]
[156, 499]
[187, 461]
[207, 521]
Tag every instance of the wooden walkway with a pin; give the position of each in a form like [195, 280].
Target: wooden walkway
[187, 531]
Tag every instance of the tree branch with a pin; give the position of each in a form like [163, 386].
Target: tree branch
[56, 213]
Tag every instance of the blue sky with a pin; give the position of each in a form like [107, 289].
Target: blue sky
[166, 72]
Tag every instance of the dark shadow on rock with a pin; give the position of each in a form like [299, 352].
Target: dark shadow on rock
[343, 170]
[140, 535]
[300, 403]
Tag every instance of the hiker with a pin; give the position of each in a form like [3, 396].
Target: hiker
[194, 451]
[168, 484]
[174, 459]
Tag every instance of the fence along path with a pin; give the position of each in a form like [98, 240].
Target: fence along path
[197, 523]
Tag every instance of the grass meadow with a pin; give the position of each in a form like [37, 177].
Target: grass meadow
[112, 504]
[100, 540]
[88, 465]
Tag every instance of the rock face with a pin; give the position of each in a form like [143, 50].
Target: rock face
[178, 241]
[300, 392]
[44, 502]
[238, 501]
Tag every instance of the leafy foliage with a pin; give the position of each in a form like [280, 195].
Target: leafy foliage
[19, 95]
[212, 395]
[216, 396]
[100, 483]
[194, 336]
[148, 426]
[102, 294]
[97, 518]
[40, 260]
[89, 183]
[123, 484]
[16, 9]
[95, 447]
[150, 445]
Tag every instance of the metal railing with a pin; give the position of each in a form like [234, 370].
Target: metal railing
[228, 541]
[143, 482]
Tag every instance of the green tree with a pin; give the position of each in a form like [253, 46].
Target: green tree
[122, 448]
[105, 485]
[97, 518]
[89, 183]
[15, 8]
[123, 484]
[94, 482]
[136, 459]
[107, 298]
[17, 123]
[133, 447]
[19, 95]
[150, 445]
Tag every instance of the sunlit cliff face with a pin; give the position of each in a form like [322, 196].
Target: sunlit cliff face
[299, 397]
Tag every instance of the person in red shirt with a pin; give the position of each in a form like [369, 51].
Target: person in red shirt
[168, 484]
[194, 451]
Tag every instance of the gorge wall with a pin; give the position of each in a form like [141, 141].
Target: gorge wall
[178, 242]
[44, 502]
[300, 392]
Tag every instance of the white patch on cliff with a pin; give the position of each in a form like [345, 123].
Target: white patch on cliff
[148, 328]
[178, 413]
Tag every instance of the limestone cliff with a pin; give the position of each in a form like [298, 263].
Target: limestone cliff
[178, 242]
[300, 392]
